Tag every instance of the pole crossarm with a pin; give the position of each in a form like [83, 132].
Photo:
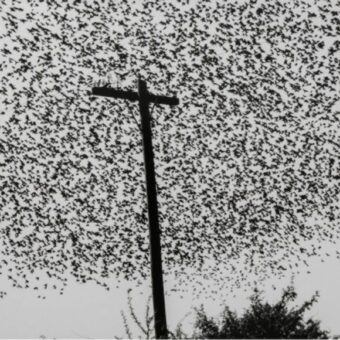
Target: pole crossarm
[133, 96]
[163, 99]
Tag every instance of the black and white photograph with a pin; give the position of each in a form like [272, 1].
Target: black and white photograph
[170, 169]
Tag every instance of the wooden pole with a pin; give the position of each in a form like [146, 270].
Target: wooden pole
[144, 98]
[155, 244]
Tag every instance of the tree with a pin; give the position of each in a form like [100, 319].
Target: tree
[263, 321]
[245, 166]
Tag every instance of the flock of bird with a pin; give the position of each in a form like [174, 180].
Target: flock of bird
[247, 165]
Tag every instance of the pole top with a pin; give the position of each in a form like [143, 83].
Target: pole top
[135, 96]
[142, 88]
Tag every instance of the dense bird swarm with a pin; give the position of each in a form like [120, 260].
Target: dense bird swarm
[247, 165]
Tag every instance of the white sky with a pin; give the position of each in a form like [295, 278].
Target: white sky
[89, 311]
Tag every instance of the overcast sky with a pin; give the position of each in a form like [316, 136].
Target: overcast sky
[89, 311]
[247, 165]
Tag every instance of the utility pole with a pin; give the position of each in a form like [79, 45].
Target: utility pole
[144, 98]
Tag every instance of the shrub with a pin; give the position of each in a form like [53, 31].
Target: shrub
[262, 321]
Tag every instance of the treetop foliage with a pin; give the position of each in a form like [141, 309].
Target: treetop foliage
[263, 321]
